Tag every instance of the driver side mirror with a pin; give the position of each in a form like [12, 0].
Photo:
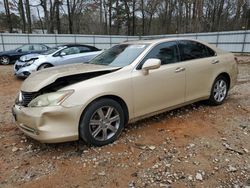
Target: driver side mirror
[19, 50]
[63, 54]
[151, 64]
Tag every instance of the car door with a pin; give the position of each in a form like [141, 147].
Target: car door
[38, 48]
[85, 54]
[68, 55]
[200, 64]
[163, 87]
[23, 50]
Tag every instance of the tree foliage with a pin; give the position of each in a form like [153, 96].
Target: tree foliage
[130, 17]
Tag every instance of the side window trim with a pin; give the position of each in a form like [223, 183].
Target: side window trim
[206, 49]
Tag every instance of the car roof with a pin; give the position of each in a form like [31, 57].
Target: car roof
[158, 40]
[35, 44]
[83, 45]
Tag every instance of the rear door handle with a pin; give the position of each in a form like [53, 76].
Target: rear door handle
[179, 69]
[215, 61]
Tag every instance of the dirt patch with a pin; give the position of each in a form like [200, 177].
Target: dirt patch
[194, 146]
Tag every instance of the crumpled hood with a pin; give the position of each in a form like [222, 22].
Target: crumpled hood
[28, 57]
[43, 78]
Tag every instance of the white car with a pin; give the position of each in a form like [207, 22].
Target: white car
[60, 55]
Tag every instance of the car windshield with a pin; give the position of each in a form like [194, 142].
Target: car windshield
[51, 50]
[119, 55]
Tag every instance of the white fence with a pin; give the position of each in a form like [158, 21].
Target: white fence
[234, 41]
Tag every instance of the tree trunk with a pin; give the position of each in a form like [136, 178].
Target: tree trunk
[133, 19]
[143, 17]
[128, 17]
[22, 15]
[70, 18]
[101, 17]
[8, 15]
[40, 20]
[110, 17]
[27, 6]
[219, 14]
[46, 15]
[58, 22]
[51, 17]
[105, 17]
[117, 17]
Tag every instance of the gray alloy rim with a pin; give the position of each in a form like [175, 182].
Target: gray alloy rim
[104, 123]
[5, 60]
[220, 90]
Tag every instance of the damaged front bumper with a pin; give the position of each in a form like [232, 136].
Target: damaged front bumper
[48, 124]
[23, 71]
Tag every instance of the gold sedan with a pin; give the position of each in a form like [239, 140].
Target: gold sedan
[125, 83]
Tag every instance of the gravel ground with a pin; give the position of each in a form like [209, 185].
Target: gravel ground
[194, 146]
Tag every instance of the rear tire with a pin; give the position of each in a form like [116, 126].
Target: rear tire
[219, 91]
[102, 122]
[5, 60]
[44, 66]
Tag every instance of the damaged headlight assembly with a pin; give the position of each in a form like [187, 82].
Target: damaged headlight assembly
[28, 63]
[50, 99]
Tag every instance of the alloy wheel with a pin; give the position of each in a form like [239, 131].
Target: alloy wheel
[4, 60]
[104, 123]
[220, 90]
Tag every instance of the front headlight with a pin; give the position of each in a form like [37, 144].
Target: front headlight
[28, 63]
[50, 99]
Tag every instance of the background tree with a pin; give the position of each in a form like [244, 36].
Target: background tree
[8, 15]
[128, 17]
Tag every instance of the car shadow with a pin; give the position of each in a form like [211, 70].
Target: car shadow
[76, 148]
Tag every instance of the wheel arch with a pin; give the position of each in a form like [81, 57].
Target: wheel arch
[227, 76]
[113, 97]
[44, 64]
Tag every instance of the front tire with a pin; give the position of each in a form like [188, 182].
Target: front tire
[219, 91]
[5, 60]
[102, 122]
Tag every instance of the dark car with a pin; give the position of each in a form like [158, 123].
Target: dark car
[11, 56]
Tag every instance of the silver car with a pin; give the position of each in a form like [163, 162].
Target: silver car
[60, 55]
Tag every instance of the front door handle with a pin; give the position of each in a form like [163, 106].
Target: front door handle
[179, 69]
[215, 61]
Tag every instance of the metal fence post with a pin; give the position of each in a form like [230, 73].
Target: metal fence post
[217, 39]
[93, 40]
[28, 38]
[110, 40]
[244, 42]
[2, 42]
[75, 39]
[56, 39]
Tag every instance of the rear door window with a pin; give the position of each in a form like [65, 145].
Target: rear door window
[38, 47]
[84, 49]
[193, 50]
